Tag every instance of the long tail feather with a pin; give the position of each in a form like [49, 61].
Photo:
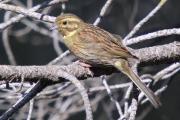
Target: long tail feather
[123, 66]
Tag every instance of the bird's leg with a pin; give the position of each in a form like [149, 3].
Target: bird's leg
[85, 65]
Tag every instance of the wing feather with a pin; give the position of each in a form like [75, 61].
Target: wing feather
[106, 43]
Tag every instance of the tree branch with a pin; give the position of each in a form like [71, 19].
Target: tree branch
[33, 73]
[168, 52]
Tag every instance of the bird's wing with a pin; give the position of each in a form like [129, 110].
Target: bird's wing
[105, 42]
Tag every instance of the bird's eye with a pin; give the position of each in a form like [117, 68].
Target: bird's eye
[64, 23]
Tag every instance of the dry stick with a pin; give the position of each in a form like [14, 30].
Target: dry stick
[30, 109]
[56, 46]
[149, 36]
[111, 95]
[57, 90]
[93, 89]
[133, 109]
[144, 20]
[21, 32]
[55, 36]
[6, 43]
[103, 12]
[84, 94]
[16, 84]
[127, 96]
[36, 28]
[44, 31]
[170, 70]
[27, 12]
[35, 8]
[171, 74]
[171, 50]
[59, 58]
[174, 68]
[132, 17]
[63, 7]
[117, 86]
[131, 113]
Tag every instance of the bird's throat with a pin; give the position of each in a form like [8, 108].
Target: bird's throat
[69, 38]
[70, 34]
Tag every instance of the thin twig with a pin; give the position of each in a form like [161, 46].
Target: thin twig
[27, 12]
[35, 8]
[149, 36]
[144, 20]
[102, 12]
[111, 96]
[6, 43]
[59, 58]
[30, 109]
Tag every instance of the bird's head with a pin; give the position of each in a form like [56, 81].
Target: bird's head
[68, 23]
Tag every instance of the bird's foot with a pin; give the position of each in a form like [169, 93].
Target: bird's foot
[87, 66]
[83, 64]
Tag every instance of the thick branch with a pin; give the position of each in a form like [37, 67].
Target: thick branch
[169, 52]
[53, 73]
[35, 73]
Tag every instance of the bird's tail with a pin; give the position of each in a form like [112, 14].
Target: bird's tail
[123, 66]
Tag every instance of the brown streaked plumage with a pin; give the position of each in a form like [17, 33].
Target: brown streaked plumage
[94, 45]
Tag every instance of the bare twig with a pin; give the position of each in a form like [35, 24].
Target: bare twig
[149, 36]
[6, 43]
[27, 12]
[144, 20]
[103, 12]
[111, 96]
[59, 58]
[30, 109]
[35, 8]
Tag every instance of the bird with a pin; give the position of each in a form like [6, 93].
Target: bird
[96, 46]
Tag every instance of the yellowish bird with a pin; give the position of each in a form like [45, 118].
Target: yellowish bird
[94, 45]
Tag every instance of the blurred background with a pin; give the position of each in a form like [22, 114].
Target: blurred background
[33, 45]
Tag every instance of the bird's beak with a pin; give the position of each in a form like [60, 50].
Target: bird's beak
[54, 27]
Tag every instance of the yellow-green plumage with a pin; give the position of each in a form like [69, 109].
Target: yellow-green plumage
[94, 45]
